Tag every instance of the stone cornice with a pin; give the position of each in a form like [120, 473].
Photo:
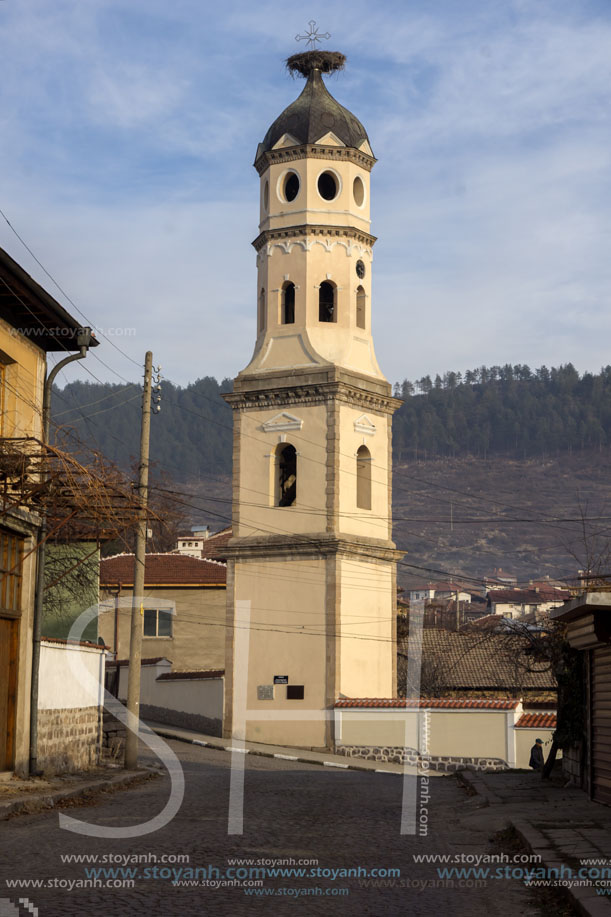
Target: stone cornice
[312, 393]
[314, 151]
[325, 544]
[309, 229]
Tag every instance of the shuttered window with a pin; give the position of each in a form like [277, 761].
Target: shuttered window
[11, 561]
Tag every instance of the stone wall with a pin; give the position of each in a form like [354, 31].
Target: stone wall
[400, 755]
[69, 739]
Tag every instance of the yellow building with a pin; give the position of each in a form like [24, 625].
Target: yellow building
[32, 324]
[312, 566]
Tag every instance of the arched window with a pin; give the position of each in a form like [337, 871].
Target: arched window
[286, 474]
[261, 317]
[327, 311]
[288, 303]
[360, 307]
[363, 478]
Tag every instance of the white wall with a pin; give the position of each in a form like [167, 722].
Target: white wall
[71, 676]
[197, 696]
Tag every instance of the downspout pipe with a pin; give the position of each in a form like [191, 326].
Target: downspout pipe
[83, 340]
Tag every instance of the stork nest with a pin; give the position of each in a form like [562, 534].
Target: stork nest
[307, 61]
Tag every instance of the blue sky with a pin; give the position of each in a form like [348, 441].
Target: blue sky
[128, 131]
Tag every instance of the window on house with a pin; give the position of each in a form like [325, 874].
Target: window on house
[363, 478]
[288, 303]
[157, 623]
[326, 302]
[5, 362]
[11, 560]
[360, 307]
[286, 474]
[261, 310]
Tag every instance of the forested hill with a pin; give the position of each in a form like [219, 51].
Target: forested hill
[510, 410]
[190, 437]
[503, 410]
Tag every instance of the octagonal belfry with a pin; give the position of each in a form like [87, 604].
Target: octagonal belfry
[312, 557]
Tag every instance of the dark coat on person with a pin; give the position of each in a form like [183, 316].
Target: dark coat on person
[536, 757]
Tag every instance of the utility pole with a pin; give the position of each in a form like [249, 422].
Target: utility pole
[84, 340]
[135, 643]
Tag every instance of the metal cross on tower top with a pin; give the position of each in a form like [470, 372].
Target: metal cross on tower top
[313, 36]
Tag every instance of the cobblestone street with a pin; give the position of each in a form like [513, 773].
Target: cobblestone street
[340, 818]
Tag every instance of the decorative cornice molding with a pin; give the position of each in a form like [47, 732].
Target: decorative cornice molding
[316, 393]
[314, 151]
[304, 230]
[323, 544]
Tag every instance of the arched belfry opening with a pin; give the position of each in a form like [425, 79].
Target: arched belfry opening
[261, 311]
[360, 307]
[363, 478]
[288, 303]
[286, 474]
[327, 302]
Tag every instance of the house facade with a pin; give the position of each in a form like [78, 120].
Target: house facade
[183, 614]
[588, 630]
[32, 324]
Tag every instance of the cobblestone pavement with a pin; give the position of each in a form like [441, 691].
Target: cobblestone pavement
[340, 818]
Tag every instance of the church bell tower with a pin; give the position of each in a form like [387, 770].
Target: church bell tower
[312, 551]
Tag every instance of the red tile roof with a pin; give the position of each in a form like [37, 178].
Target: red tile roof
[214, 546]
[537, 721]
[65, 642]
[177, 676]
[529, 596]
[465, 662]
[163, 570]
[453, 703]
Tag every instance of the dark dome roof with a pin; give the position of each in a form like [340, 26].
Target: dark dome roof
[312, 115]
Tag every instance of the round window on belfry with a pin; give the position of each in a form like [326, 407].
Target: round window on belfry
[358, 189]
[327, 185]
[291, 186]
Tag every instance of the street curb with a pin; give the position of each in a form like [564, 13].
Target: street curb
[36, 802]
[221, 746]
[587, 902]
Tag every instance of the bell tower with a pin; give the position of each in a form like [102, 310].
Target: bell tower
[312, 549]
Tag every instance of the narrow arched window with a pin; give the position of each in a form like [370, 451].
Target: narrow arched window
[288, 303]
[261, 317]
[286, 474]
[360, 307]
[363, 478]
[327, 310]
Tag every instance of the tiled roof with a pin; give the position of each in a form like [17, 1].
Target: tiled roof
[477, 661]
[529, 596]
[447, 703]
[214, 546]
[152, 661]
[537, 721]
[62, 640]
[177, 676]
[163, 570]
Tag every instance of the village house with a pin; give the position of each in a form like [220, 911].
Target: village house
[525, 604]
[184, 609]
[32, 324]
[588, 621]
